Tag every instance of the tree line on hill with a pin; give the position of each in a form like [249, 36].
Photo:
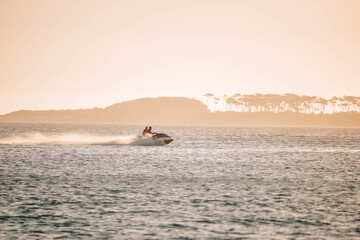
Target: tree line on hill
[277, 103]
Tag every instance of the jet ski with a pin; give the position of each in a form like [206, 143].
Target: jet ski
[161, 138]
[158, 139]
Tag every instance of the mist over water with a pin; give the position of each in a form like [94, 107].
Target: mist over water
[86, 181]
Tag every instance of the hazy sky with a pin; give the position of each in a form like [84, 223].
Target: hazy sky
[83, 53]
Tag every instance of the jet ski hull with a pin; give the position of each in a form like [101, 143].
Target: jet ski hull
[162, 138]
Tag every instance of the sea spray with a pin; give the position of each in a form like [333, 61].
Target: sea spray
[37, 138]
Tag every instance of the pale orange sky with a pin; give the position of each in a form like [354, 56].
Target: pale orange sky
[82, 53]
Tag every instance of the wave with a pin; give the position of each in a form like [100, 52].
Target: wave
[37, 138]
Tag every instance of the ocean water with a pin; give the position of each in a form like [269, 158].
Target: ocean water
[90, 181]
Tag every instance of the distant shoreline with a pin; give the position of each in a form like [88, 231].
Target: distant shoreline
[180, 111]
[189, 125]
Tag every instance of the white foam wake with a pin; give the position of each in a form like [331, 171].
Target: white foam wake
[36, 138]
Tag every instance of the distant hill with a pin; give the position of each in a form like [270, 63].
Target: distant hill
[179, 110]
[145, 110]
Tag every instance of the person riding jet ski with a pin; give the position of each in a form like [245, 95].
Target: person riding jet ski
[158, 138]
[147, 131]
